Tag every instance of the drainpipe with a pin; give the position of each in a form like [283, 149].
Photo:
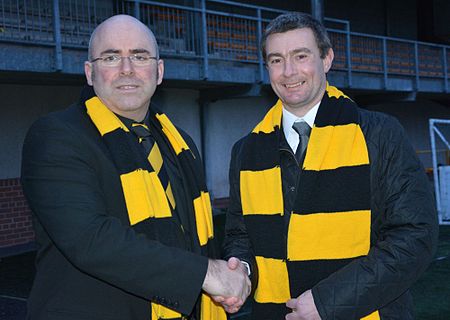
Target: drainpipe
[317, 9]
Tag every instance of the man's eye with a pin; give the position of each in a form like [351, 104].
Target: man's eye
[138, 57]
[275, 61]
[110, 58]
[300, 56]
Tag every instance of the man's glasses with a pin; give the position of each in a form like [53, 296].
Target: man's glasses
[114, 60]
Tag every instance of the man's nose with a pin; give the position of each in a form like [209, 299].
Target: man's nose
[289, 68]
[126, 66]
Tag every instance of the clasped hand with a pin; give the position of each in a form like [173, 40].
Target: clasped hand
[227, 283]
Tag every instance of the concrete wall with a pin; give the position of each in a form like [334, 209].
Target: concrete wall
[229, 120]
[21, 106]
[182, 108]
[226, 122]
[414, 118]
[386, 18]
[401, 19]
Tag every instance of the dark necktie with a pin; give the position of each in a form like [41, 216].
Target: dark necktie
[154, 157]
[303, 130]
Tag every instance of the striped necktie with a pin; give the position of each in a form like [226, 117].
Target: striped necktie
[303, 129]
[154, 157]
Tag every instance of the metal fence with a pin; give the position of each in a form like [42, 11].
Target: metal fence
[41, 21]
[440, 132]
[215, 30]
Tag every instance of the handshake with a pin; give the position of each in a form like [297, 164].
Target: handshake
[227, 283]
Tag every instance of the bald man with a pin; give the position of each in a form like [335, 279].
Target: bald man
[121, 211]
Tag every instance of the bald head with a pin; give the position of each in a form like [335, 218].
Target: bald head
[126, 87]
[124, 22]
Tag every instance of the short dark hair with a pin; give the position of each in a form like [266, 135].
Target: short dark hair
[297, 20]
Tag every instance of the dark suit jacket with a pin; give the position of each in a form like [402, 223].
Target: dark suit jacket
[90, 263]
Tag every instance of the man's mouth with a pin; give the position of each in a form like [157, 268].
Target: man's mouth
[294, 85]
[127, 87]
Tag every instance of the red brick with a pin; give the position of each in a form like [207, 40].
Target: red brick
[7, 232]
[27, 235]
[15, 215]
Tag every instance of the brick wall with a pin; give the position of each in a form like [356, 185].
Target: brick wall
[15, 216]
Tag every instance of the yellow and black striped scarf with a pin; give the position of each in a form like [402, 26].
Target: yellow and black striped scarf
[143, 192]
[331, 219]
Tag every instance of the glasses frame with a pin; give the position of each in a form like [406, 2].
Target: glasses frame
[131, 57]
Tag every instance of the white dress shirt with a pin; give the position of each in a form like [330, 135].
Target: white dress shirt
[289, 119]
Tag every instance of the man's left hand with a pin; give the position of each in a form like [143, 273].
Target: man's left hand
[303, 308]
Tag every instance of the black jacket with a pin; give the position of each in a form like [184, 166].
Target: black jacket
[404, 226]
[91, 264]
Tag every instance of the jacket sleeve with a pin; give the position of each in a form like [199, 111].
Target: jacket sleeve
[236, 242]
[404, 232]
[61, 178]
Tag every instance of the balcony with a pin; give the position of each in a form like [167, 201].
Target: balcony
[213, 44]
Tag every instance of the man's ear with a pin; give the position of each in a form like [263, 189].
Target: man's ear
[160, 71]
[88, 72]
[328, 60]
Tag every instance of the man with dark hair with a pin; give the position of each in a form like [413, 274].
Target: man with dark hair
[121, 211]
[329, 205]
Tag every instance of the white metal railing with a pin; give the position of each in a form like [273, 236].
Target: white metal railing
[441, 170]
[215, 30]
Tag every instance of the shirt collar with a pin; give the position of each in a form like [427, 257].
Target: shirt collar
[129, 122]
[289, 119]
